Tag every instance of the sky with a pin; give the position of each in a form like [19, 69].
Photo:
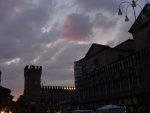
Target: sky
[54, 34]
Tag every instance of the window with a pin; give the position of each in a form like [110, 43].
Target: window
[120, 57]
[95, 63]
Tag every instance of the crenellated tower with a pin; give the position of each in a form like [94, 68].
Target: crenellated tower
[32, 87]
[39, 98]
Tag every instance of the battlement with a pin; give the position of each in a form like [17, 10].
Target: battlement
[32, 68]
[57, 88]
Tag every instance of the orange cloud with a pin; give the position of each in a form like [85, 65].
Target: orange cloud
[77, 27]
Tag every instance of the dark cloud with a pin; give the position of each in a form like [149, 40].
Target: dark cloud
[104, 23]
[77, 27]
[95, 5]
[20, 29]
[23, 19]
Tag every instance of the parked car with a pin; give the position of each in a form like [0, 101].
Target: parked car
[110, 109]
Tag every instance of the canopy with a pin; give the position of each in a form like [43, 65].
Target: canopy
[109, 107]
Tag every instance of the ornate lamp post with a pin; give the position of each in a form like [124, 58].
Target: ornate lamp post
[133, 4]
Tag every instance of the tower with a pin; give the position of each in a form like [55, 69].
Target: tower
[32, 87]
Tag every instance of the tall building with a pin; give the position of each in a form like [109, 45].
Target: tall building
[39, 98]
[118, 75]
[32, 87]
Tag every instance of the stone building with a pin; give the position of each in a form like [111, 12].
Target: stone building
[118, 75]
[40, 98]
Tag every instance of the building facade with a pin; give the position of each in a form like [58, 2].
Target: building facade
[118, 75]
[39, 98]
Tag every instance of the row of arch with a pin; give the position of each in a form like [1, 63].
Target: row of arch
[98, 87]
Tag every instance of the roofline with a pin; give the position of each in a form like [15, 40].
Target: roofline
[123, 42]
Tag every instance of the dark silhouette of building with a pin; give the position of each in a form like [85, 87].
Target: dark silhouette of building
[39, 98]
[5, 95]
[118, 75]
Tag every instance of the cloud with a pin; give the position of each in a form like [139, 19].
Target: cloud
[21, 25]
[96, 5]
[104, 23]
[62, 54]
[77, 27]
[122, 33]
[60, 71]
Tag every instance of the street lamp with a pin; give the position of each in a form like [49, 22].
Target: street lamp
[133, 4]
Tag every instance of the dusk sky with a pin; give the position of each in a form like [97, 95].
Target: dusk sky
[54, 34]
